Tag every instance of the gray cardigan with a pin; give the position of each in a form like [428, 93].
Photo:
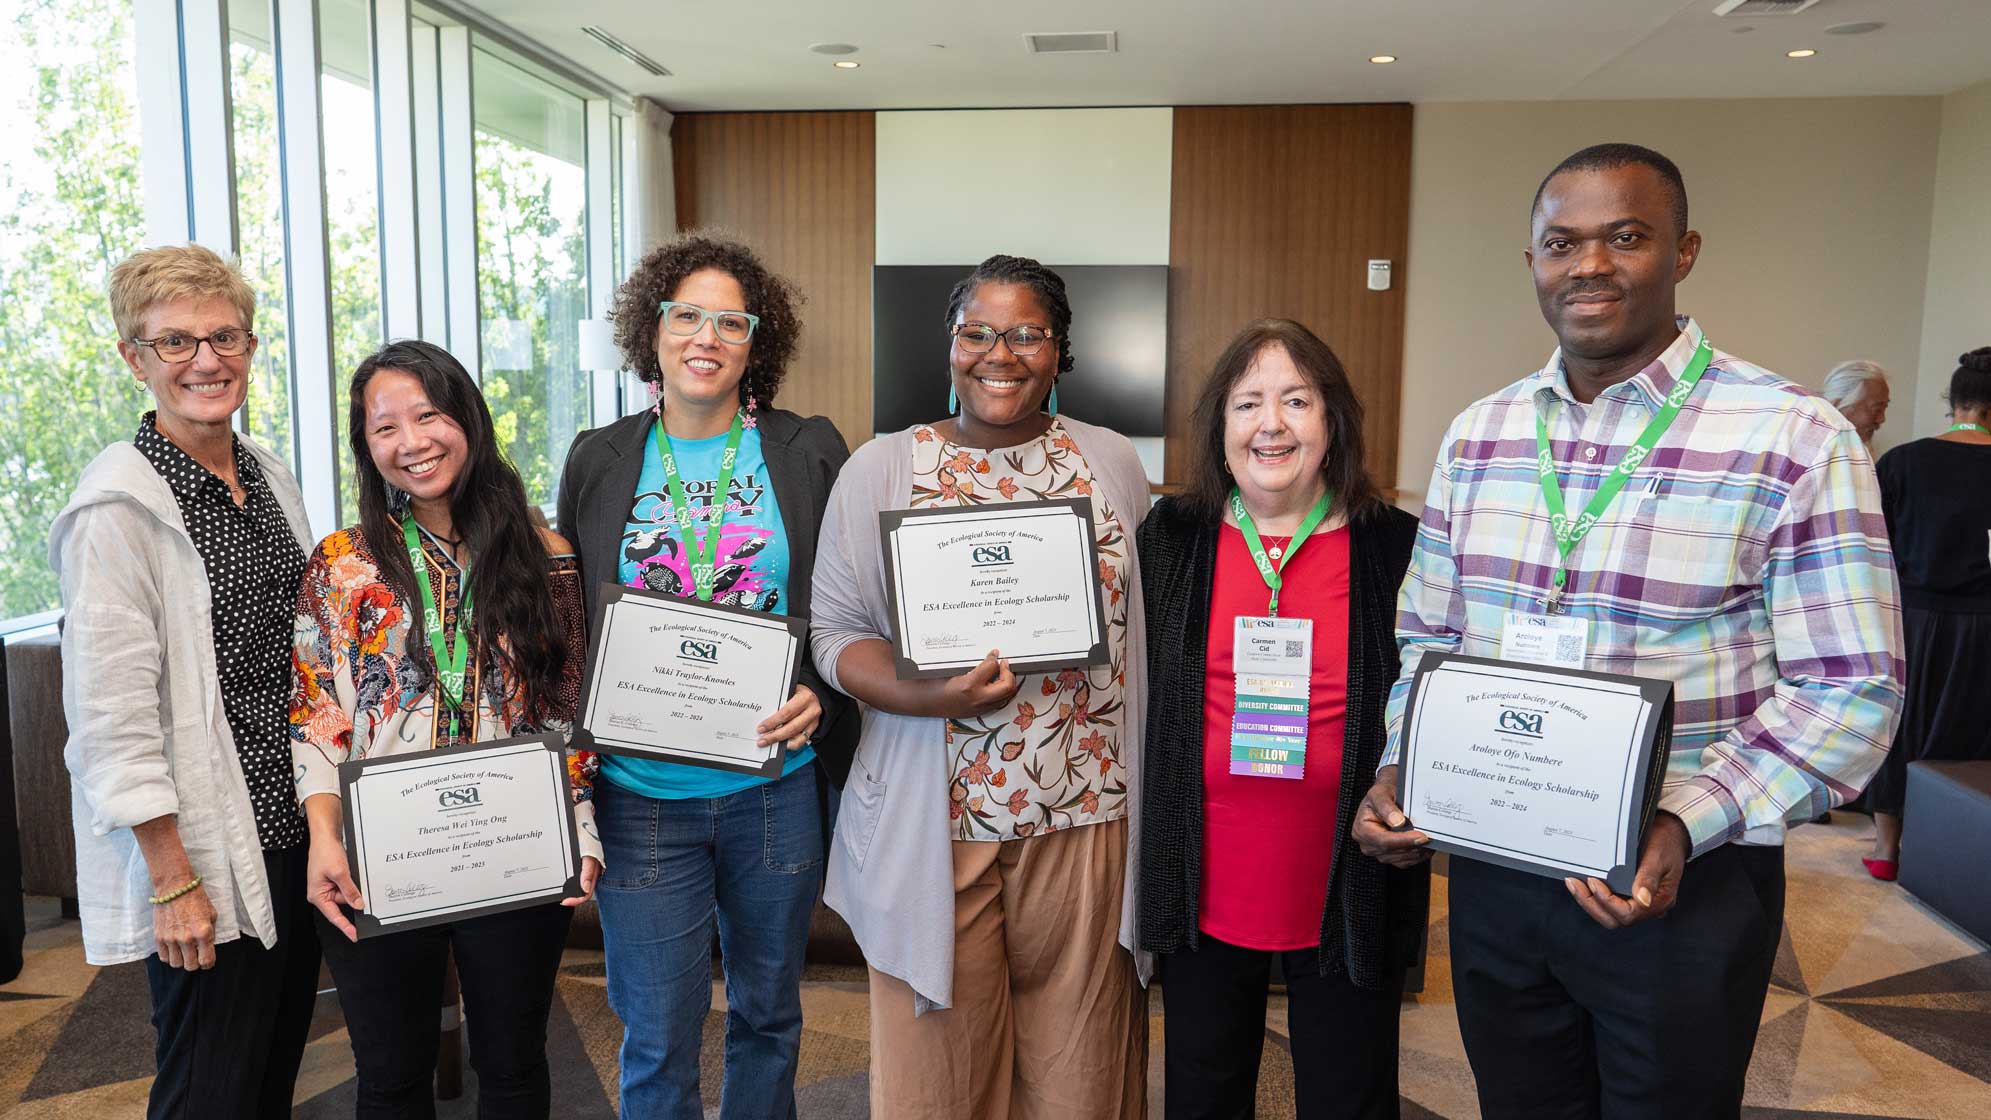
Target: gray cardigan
[891, 872]
[598, 491]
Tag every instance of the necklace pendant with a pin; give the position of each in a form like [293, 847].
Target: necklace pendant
[1275, 552]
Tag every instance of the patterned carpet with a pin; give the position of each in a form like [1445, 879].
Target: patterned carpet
[1879, 1009]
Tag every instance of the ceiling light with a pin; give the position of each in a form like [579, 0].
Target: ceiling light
[1858, 27]
[1801, 52]
[1382, 59]
[845, 64]
[833, 48]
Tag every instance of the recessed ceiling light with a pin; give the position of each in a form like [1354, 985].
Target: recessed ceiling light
[1801, 52]
[1382, 59]
[845, 64]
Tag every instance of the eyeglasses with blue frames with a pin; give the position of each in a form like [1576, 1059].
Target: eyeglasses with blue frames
[688, 319]
[228, 342]
[980, 338]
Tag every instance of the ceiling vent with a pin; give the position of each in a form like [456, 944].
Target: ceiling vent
[1762, 7]
[626, 51]
[1074, 42]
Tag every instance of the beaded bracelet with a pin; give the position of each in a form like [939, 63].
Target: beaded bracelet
[163, 899]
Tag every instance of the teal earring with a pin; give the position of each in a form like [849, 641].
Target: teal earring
[953, 402]
[1051, 406]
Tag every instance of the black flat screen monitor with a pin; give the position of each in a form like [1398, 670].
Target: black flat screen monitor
[1119, 344]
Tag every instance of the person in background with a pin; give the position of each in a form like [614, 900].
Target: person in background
[1858, 389]
[1745, 560]
[1934, 494]
[981, 854]
[443, 533]
[179, 557]
[1239, 868]
[712, 331]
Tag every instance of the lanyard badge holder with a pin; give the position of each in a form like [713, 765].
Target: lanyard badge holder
[452, 659]
[701, 551]
[1272, 664]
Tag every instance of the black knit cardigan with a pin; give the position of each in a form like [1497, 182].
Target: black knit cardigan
[1375, 915]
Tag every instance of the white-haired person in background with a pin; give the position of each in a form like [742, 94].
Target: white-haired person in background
[1858, 389]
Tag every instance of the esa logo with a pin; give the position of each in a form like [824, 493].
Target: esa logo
[691, 649]
[1520, 722]
[461, 797]
[990, 555]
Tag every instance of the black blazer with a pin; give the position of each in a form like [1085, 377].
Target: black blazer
[598, 492]
[1375, 915]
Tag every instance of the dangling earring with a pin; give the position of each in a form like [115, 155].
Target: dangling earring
[1052, 404]
[752, 404]
[397, 500]
[656, 391]
[953, 402]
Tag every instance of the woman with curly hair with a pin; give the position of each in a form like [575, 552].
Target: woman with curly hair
[711, 493]
[1932, 491]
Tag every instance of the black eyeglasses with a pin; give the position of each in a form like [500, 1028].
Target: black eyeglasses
[228, 342]
[980, 338]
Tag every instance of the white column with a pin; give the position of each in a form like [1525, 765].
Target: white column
[601, 246]
[394, 116]
[314, 397]
[187, 160]
[459, 196]
[427, 102]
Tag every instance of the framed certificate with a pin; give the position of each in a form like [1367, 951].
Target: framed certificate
[679, 680]
[1554, 771]
[454, 833]
[1022, 578]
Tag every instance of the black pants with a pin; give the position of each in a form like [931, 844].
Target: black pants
[1566, 1020]
[1344, 1038]
[390, 988]
[230, 1037]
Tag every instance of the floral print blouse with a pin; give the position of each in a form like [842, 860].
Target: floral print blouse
[356, 692]
[1051, 758]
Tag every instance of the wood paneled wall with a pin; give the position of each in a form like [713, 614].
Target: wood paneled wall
[798, 188]
[1277, 210]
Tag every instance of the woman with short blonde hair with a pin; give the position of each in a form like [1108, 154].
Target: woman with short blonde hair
[179, 557]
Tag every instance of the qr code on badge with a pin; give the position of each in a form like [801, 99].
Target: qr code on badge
[1295, 649]
[1568, 648]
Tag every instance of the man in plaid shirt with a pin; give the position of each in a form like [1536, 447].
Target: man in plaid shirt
[1746, 561]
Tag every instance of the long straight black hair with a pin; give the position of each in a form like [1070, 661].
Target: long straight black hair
[1209, 484]
[512, 613]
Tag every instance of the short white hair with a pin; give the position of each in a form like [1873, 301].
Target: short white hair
[1848, 381]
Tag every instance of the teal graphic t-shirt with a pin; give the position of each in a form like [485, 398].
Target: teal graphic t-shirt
[750, 570]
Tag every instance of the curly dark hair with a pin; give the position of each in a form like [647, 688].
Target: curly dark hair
[1049, 286]
[656, 279]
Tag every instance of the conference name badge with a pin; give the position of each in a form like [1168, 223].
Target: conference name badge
[1272, 664]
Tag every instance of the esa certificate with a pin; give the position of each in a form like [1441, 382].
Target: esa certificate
[454, 833]
[679, 680]
[1021, 578]
[1547, 770]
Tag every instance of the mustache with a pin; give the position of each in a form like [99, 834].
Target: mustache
[1577, 288]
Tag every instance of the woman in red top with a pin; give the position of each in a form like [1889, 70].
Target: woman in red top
[1272, 586]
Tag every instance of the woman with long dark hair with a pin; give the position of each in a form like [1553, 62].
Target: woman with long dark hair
[1245, 855]
[444, 529]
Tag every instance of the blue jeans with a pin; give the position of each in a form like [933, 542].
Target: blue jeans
[751, 862]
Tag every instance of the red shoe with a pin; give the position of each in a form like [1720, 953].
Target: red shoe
[1883, 869]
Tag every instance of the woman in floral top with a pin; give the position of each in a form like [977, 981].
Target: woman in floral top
[1002, 982]
[366, 683]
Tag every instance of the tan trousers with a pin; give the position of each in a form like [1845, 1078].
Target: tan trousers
[1049, 1019]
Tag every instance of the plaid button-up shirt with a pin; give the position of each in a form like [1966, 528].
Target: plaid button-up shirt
[1746, 561]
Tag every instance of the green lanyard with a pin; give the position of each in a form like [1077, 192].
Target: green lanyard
[1569, 534]
[1271, 572]
[1970, 428]
[451, 663]
[703, 551]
